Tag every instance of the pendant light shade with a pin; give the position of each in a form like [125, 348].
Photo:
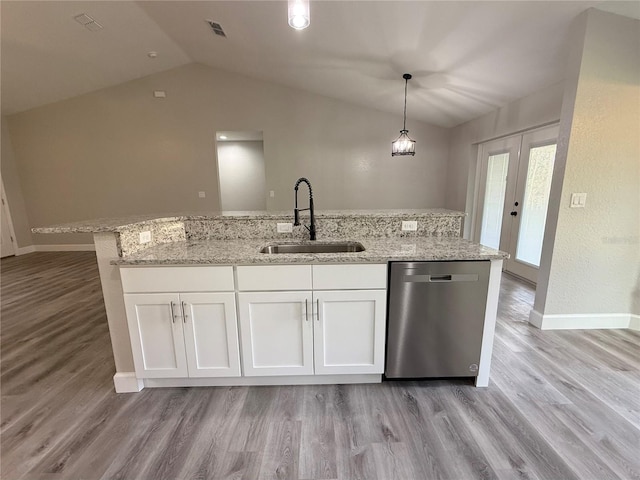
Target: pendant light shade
[403, 145]
[299, 14]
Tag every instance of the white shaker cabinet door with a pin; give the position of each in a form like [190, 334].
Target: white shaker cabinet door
[211, 334]
[276, 331]
[157, 339]
[349, 331]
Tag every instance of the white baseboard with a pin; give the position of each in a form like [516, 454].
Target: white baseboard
[25, 250]
[253, 381]
[581, 321]
[126, 382]
[535, 318]
[72, 247]
[634, 322]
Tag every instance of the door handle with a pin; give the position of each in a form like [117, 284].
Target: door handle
[173, 315]
[184, 312]
[317, 309]
[306, 310]
[514, 213]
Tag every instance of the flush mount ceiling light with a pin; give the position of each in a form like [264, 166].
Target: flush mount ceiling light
[403, 145]
[299, 14]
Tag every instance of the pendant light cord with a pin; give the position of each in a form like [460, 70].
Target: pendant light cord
[404, 124]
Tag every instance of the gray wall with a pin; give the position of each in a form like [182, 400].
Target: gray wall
[241, 172]
[591, 259]
[120, 151]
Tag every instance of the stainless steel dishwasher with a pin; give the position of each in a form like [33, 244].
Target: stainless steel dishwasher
[436, 318]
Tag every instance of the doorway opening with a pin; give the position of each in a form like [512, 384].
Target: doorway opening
[241, 171]
[514, 185]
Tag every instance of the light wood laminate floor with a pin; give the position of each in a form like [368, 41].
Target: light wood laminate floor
[561, 405]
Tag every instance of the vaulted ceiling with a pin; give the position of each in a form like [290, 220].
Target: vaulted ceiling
[467, 58]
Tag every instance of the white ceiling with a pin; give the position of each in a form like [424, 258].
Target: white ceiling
[467, 58]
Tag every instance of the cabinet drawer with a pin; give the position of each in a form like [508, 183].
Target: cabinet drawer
[274, 277]
[338, 277]
[177, 279]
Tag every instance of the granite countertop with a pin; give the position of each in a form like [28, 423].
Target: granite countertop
[247, 252]
[116, 224]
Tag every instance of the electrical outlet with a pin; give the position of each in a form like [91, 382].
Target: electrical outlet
[202, 194]
[285, 227]
[410, 226]
[272, 194]
[145, 237]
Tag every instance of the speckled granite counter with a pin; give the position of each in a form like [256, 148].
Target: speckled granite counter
[247, 252]
[117, 224]
[334, 224]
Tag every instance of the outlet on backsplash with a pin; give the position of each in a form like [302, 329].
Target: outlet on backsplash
[284, 227]
[410, 226]
[145, 237]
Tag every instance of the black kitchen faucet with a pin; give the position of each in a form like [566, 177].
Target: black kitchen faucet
[296, 210]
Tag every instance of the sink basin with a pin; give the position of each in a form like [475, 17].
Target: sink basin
[337, 247]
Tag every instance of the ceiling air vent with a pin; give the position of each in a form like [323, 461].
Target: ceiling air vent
[217, 28]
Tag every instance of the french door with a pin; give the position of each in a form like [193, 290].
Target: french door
[515, 182]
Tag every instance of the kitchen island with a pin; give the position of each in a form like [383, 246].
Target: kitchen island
[195, 265]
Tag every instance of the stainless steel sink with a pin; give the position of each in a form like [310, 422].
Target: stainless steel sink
[336, 247]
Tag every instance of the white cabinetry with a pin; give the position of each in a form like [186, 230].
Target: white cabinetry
[157, 339]
[277, 333]
[330, 321]
[175, 335]
[349, 331]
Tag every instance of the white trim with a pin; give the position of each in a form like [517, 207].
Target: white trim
[12, 232]
[535, 318]
[583, 321]
[126, 382]
[25, 250]
[634, 322]
[490, 313]
[274, 380]
[71, 247]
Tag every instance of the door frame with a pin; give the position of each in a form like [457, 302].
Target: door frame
[7, 211]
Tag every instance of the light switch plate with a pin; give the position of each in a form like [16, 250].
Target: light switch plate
[272, 194]
[578, 200]
[284, 227]
[410, 226]
[145, 237]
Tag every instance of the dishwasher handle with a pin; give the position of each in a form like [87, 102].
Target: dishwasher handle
[442, 278]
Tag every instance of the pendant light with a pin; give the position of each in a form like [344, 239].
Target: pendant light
[299, 14]
[403, 145]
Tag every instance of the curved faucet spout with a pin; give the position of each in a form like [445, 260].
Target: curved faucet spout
[296, 210]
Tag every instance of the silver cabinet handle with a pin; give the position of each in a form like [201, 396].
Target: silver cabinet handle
[173, 316]
[306, 310]
[184, 312]
[317, 309]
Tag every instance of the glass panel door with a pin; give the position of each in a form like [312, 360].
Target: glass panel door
[495, 189]
[497, 179]
[534, 205]
[514, 187]
[531, 200]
